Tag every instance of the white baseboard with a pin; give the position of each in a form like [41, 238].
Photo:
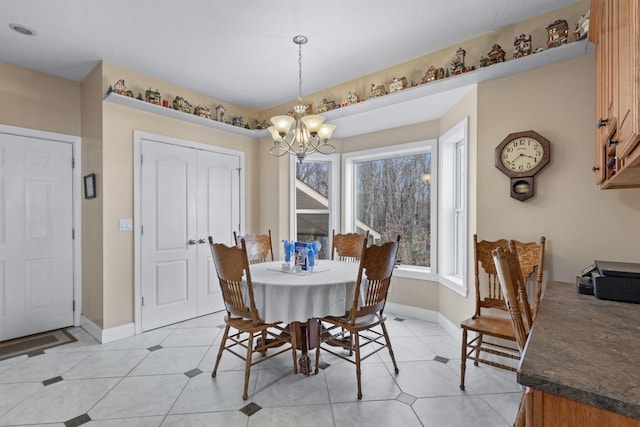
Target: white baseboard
[107, 335]
[424, 314]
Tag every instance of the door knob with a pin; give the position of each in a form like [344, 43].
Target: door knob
[192, 242]
[202, 241]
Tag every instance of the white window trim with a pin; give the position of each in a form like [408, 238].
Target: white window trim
[447, 143]
[348, 175]
[334, 190]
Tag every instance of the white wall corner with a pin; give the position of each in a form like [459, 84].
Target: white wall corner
[451, 328]
[107, 335]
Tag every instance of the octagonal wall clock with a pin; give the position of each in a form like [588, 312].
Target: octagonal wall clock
[521, 156]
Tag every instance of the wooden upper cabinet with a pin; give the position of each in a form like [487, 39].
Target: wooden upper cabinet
[615, 31]
[628, 74]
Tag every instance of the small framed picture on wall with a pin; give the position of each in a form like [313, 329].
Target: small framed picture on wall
[90, 186]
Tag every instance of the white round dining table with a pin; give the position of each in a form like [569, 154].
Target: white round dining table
[287, 296]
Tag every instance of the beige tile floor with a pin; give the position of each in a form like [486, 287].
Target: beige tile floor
[162, 378]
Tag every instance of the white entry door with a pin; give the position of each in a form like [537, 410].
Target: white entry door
[36, 235]
[186, 195]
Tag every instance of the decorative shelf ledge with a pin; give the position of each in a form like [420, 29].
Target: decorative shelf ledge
[413, 105]
[181, 115]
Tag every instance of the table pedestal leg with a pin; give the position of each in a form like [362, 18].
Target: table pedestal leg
[306, 340]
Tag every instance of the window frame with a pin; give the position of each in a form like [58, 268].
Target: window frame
[454, 201]
[348, 200]
[334, 190]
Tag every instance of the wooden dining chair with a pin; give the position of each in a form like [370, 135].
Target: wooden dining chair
[234, 275]
[347, 246]
[509, 274]
[259, 248]
[366, 313]
[490, 319]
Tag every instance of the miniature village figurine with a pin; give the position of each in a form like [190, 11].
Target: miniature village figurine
[522, 46]
[352, 98]
[557, 32]
[397, 84]
[484, 61]
[153, 97]
[457, 65]
[181, 104]
[582, 26]
[220, 113]
[325, 105]
[203, 112]
[432, 74]
[237, 121]
[496, 54]
[120, 89]
[376, 91]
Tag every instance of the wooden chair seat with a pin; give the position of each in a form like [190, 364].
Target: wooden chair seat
[499, 327]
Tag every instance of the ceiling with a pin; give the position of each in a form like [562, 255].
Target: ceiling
[241, 52]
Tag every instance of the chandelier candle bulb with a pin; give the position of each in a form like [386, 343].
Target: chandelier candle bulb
[326, 131]
[282, 124]
[313, 123]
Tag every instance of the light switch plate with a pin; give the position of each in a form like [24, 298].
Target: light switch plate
[125, 225]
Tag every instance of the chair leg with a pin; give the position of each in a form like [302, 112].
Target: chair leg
[463, 358]
[475, 361]
[222, 344]
[356, 337]
[247, 368]
[263, 335]
[292, 334]
[386, 337]
[318, 343]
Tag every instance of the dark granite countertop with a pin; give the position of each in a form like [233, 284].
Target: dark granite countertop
[585, 349]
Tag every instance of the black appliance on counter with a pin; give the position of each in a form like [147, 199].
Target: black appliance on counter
[611, 280]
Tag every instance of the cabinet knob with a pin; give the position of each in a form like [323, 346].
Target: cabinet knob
[601, 122]
[610, 143]
[202, 241]
[595, 169]
[193, 242]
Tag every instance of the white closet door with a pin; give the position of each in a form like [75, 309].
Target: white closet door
[36, 242]
[169, 240]
[218, 216]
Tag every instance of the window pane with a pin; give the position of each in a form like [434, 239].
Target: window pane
[393, 196]
[316, 177]
[312, 204]
[314, 227]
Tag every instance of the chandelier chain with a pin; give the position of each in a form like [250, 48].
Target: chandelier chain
[299, 72]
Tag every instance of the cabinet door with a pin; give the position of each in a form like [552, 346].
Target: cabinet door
[628, 74]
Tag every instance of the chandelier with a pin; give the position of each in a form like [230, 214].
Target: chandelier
[301, 134]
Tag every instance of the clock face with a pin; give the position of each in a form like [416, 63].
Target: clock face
[521, 154]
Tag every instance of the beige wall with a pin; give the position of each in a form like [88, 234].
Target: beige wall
[92, 209]
[35, 100]
[581, 222]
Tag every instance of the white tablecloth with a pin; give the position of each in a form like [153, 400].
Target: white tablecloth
[289, 297]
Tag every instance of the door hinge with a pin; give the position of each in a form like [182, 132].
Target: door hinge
[73, 234]
[141, 230]
[73, 306]
[140, 158]
[73, 162]
[142, 301]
